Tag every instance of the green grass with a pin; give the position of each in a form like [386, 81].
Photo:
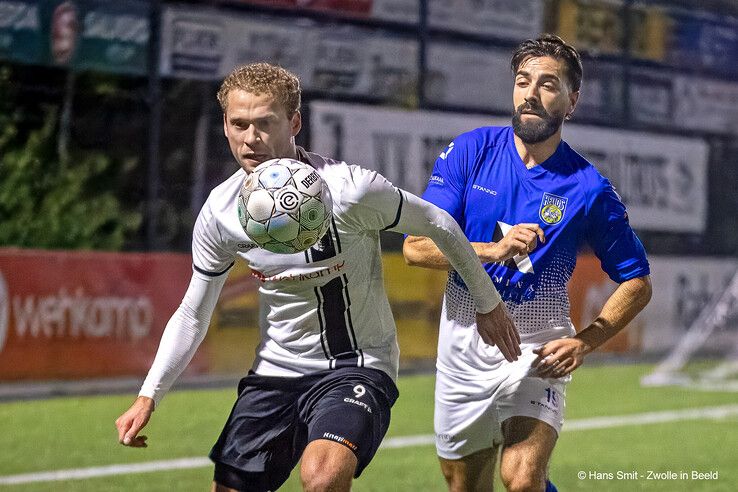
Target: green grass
[79, 432]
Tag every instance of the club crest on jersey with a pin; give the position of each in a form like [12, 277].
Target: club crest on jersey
[552, 208]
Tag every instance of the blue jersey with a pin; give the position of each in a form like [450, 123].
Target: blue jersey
[482, 182]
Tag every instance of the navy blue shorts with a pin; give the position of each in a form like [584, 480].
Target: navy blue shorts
[274, 419]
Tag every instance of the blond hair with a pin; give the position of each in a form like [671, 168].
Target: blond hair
[263, 78]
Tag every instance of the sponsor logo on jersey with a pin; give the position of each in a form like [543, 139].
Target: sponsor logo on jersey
[303, 276]
[435, 179]
[484, 190]
[553, 208]
[446, 152]
[247, 246]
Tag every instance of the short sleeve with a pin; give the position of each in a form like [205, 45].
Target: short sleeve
[619, 250]
[369, 201]
[209, 256]
[448, 181]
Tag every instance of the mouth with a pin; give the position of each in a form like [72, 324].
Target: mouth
[255, 157]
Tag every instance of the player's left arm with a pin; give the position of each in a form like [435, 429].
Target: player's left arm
[560, 357]
[375, 204]
[623, 258]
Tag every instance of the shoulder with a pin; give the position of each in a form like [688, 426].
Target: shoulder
[590, 177]
[348, 183]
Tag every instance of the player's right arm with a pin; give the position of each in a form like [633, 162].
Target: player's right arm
[446, 189]
[521, 239]
[185, 330]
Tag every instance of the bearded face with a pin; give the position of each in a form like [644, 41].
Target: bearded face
[533, 124]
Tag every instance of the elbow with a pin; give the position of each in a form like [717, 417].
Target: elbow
[645, 290]
[409, 252]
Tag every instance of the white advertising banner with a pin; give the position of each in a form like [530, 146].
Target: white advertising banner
[207, 44]
[193, 42]
[402, 145]
[662, 179]
[505, 19]
[466, 75]
[707, 105]
[682, 287]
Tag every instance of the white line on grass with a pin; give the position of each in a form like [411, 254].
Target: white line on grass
[389, 443]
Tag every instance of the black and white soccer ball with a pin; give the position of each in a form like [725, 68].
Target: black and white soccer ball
[284, 206]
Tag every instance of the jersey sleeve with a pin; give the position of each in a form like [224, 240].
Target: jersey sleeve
[448, 181]
[369, 201]
[619, 250]
[209, 255]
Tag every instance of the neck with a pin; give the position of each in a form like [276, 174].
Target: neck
[534, 154]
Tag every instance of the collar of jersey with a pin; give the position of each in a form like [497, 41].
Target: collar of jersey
[549, 164]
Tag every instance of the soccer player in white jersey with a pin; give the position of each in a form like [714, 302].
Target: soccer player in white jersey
[528, 203]
[322, 384]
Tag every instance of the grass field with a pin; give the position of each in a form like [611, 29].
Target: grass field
[64, 433]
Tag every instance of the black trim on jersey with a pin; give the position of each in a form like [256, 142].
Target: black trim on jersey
[335, 233]
[399, 212]
[328, 246]
[324, 249]
[334, 310]
[348, 311]
[320, 321]
[212, 274]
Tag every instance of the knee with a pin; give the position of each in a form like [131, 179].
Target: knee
[524, 481]
[325, 474]
[455, 481]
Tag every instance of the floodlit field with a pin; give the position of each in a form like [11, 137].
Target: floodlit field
[74, 433]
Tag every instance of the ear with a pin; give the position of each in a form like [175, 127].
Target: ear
[225, 126]
[295, 123]
[573, 98]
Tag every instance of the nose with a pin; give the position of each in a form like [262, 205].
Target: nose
[251, 136]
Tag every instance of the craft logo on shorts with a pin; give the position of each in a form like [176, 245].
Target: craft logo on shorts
[552, 208]
[4, 311]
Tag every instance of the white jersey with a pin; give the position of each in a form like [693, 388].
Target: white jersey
[325, 307]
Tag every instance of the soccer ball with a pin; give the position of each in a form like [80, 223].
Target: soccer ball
[284, 206]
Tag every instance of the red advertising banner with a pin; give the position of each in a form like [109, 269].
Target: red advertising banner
[74, 315]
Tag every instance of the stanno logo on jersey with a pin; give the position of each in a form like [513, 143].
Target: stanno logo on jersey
[552, 208]
[446, 152]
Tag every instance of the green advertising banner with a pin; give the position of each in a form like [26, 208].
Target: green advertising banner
[78, 34]
[113, 37]
[21, 36]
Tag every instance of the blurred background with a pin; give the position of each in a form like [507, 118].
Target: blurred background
[111, 139]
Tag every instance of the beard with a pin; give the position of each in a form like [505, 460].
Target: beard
[533, 132]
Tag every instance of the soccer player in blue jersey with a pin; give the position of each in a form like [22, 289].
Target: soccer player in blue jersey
[527, 202]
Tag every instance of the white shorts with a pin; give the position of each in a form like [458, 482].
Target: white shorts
[469, 413]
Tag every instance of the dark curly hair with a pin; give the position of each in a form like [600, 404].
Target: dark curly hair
[555, 47]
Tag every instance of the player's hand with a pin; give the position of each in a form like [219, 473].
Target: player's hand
[133, 420]
[496, 328]
[559, 358]
[521, 239]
